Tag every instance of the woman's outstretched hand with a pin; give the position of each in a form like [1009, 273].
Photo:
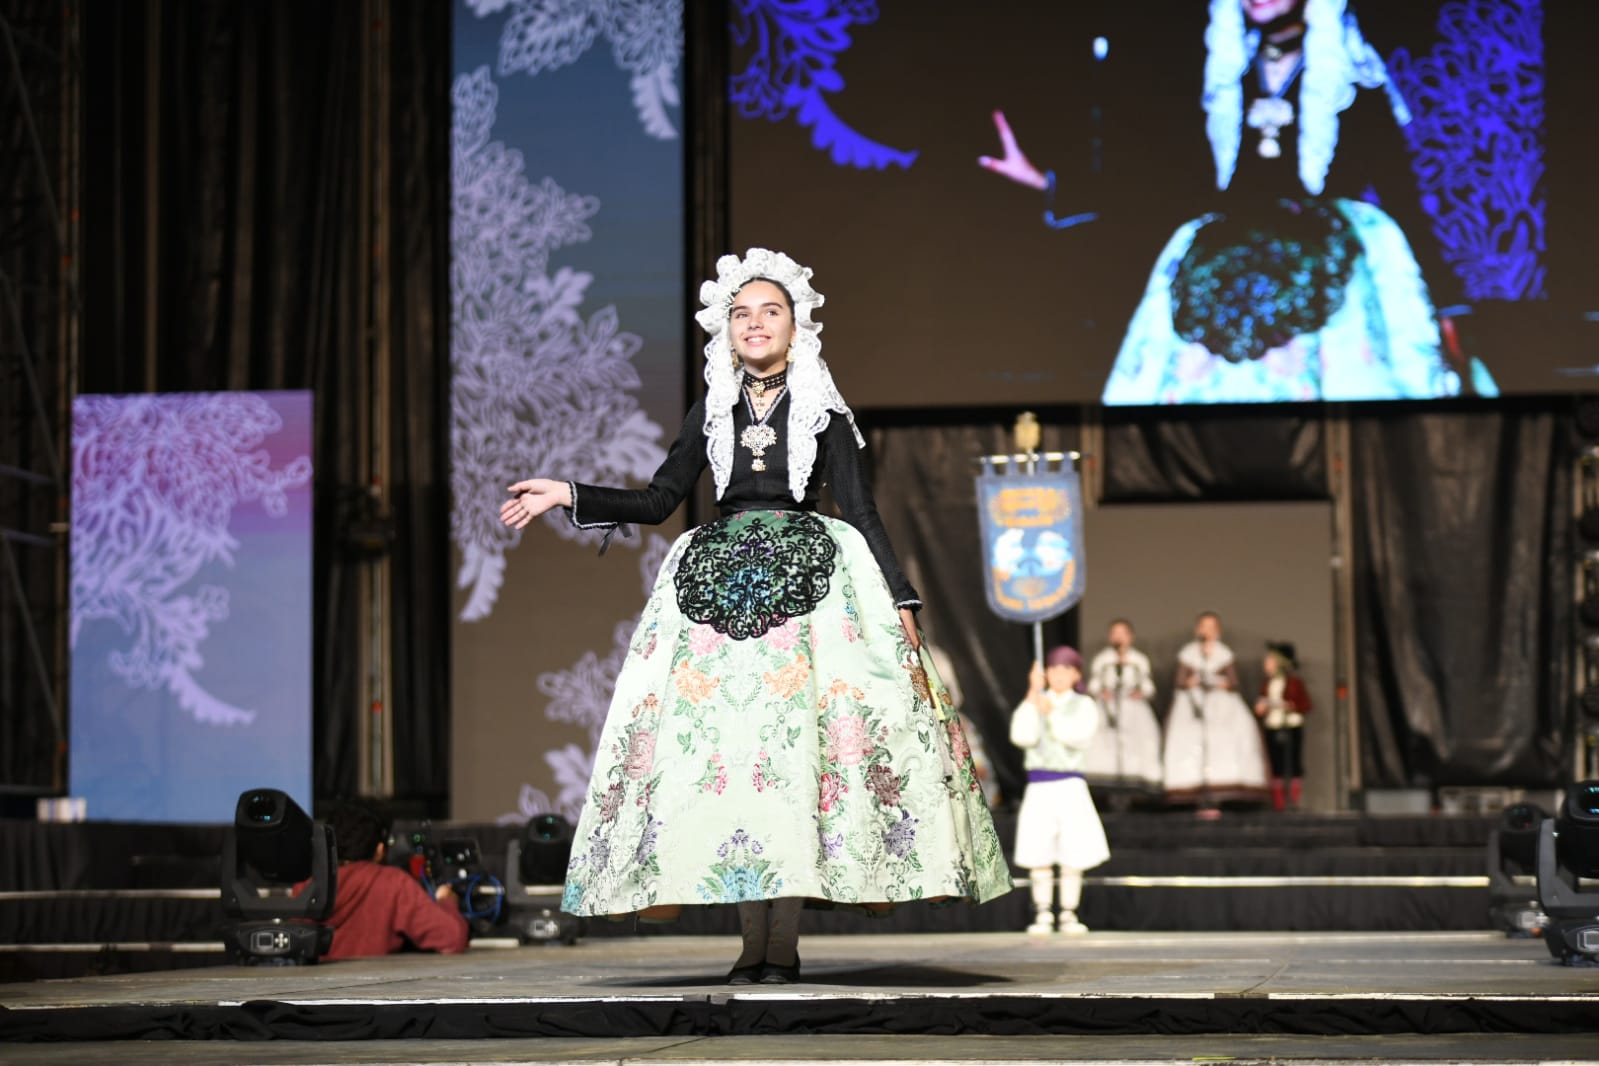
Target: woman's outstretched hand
[533, 497]
[1013, 164]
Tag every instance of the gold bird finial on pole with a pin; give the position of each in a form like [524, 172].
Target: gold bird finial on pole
[1028, 432]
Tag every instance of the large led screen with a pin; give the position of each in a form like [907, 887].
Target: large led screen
[569, 333]
[191, 602]
[1143, 202]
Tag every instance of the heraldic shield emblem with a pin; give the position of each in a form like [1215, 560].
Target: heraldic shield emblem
[1032, 542]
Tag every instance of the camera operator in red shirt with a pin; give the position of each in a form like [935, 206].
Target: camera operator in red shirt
[378, 909]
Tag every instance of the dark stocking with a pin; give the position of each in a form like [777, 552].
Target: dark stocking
[782, 935]
[752, 923]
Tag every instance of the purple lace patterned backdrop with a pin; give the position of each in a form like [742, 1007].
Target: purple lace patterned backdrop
[1477, 143]
[191, 602]
[567, 354]
[792, 47]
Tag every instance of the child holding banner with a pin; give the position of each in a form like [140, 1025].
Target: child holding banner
[1058, 824]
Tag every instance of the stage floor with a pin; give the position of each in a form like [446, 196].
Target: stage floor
[1112, 997]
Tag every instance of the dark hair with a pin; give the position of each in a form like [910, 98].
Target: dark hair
[1285, 653]
[788, 297]
[1248, 285]
[1114, 622]
[358, 828]
[1202, 615]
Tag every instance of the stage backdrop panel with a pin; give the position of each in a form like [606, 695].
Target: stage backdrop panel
[191, 602]
[568, 339]
[1264, 567]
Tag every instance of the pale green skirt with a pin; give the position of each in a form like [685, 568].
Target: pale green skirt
[746, 757]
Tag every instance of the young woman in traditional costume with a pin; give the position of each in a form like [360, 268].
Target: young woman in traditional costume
[776, 734]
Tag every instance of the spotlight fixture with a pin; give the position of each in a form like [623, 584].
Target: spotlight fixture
[1568, 855]
[546, 849]
[273, 847]
[1512, 864]
[535, 867]
[1588, 493]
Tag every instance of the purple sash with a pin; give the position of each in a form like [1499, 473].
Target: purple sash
[1051, 775]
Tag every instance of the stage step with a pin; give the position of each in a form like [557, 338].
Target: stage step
[1168, 872]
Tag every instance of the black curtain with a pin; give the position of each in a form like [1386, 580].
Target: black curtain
[1463, 565]
[35, 298]
[1463, 596]
[923, 483]
[227, 181]
[1259, 454]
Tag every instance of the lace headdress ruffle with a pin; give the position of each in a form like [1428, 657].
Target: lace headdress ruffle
[813, 398]
[1338, 62]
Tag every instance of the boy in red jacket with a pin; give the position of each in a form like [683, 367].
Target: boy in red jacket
[1282, 707]
[378, 909]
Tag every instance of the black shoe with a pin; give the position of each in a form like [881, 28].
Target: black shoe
[773, 974]
[746, 975]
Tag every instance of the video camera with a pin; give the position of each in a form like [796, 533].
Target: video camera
[457, 862]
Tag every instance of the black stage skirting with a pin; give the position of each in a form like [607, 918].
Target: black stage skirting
[996, 1015]
[108, 883]
[102, 855]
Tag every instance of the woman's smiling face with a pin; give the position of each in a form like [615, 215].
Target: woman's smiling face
[1261, 12]
[762, 325]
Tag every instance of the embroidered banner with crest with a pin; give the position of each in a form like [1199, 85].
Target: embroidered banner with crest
[1032, 542]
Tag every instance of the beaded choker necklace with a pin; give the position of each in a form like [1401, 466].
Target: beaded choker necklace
[761, 386]
[1274, 50]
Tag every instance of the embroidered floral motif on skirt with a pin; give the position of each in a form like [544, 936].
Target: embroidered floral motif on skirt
[814, 757]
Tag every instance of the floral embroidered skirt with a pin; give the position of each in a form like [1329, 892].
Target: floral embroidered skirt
[774, 734]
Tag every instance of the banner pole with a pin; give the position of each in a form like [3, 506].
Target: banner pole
[1028, 435]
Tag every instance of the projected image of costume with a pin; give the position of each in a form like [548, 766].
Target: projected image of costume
[1057, 824]
[1124, 755]
[777, 733]
[1297, 283]
[1214, 752]
[1281, 708]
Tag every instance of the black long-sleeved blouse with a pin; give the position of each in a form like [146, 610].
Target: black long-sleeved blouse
[748, 489]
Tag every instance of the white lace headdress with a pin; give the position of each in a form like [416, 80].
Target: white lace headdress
[1338, 62]
[812, 396]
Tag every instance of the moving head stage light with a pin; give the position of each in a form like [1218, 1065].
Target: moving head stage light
[1512, 867]
[1568, 855]
[272, 847]
[535, 868]
[546, 849]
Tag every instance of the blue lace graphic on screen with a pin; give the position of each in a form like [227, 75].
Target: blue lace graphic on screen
[1477, 143]
[793, 45]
